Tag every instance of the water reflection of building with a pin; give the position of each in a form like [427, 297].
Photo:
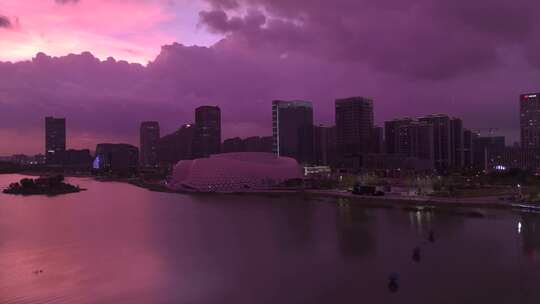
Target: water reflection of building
[529, 228]
[421, 220]
[355, 229]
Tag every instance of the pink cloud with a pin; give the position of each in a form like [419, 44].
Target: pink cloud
[128, 29]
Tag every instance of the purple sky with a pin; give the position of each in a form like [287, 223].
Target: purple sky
[470, 59]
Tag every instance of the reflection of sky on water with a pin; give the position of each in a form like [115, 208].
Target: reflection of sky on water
[119, 244]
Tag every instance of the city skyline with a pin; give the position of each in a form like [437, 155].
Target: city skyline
[274, 51]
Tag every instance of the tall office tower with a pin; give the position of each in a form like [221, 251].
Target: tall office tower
[207, 139]
[55, 140]
[391, 132]
[177, 146]
[415, 139]
[529, 110]
[292, 129]
[456, 143]
[377, 140]
[442, 143]
[149, 137]
[354, 126]
[468, 137]
[324, 145]
[421, 140]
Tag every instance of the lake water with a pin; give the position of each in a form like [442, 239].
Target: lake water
[117, 243]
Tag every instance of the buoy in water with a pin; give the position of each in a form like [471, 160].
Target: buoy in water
[416, 255]
[393, 282]
[431, 237]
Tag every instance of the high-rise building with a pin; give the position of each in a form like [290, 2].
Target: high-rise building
[324, 145]
[456, 143]
[292, 129]
[410, 138]
[207, 139]
[149, 137]
[354, 126]
[176, 146]
[442, 142]
[392, 136]
[468, 137]
[377, 140]
[529, 110]
[55, 140]
[420, 141]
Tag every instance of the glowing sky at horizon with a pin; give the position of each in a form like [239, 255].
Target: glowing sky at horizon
[131, 30]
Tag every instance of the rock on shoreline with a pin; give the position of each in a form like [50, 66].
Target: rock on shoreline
[47, 185]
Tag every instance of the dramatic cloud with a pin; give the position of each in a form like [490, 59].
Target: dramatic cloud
[4, 22]
[133, 30]
[468, 59]
[421, 39]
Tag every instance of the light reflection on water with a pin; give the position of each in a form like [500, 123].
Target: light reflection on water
[116, 243]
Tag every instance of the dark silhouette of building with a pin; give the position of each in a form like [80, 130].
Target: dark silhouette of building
[176, 146]
[77, 159]
[116, 159]
[40, 159]
[529, 109]
[456, 143]
[250, 144]
[324, 145]
[442, 142]
[410, 138]
[484, 145]
[258, 144]
[292, 128]
[354, 126]
[391, 133]
[377, 140]
[420, 141]
[468, 137]
[55, 140]
[207, 140]
[149, 137]
[235, 144]
[513, 158]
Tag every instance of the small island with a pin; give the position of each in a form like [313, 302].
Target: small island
[45, 185]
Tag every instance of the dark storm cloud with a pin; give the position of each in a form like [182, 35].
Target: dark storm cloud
[420, 39]
[470, 59]
[5, 22]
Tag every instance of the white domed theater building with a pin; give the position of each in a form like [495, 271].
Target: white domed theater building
[236, 172]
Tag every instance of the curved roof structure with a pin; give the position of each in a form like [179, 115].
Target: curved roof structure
[234, 172]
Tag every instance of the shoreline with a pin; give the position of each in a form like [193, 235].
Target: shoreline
[387, 201]
[484, 202]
